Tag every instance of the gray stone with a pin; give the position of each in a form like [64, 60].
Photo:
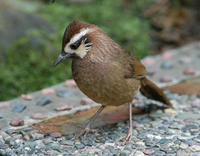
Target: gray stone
[69, 136]
[19, 108]
[36, 136]
[4, 146]
[9, 154]
[189, 127]
[66, 142]
[44, 101]
[79, 146]
[165, 141]
[167, 65]
[139, 153]
[47, 141]
[124, 153]
[56, 147]
[65, 94]
[1, 116]
[9, 140]
[195, 148]
[148, 151]
[87, 142]
[30, 144]
[150, 71]
[181, 153]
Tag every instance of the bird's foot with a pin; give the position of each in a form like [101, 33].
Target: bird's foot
[128, 138]
[85, 132]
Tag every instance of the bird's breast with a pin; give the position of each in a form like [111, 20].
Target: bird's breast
[103, 83]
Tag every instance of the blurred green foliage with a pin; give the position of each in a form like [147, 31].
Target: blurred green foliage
[28, 64]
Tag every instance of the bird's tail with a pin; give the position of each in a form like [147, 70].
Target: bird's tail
[150, 90]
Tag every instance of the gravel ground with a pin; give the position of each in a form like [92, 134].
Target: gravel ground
[156, 133]
[173, 133]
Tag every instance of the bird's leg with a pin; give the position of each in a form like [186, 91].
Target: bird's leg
[128, 137]
[91, 120]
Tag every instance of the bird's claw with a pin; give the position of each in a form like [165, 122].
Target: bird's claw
[85, 132]
[127, 139]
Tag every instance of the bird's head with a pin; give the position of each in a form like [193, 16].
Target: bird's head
[76, 41]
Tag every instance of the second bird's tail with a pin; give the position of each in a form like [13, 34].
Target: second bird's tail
[150, 90]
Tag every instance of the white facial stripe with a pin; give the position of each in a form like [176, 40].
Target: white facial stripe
[79, 35]
[83, 48]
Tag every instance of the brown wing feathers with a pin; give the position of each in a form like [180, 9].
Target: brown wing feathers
[148, 88]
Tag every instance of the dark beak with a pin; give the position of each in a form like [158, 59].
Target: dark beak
[61, 57]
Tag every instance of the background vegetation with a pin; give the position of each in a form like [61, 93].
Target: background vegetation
[28, 63]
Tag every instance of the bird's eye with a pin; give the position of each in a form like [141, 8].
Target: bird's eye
[75, 45]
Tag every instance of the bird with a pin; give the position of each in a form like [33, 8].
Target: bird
[104, 71]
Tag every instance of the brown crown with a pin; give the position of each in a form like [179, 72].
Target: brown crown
[72, 29]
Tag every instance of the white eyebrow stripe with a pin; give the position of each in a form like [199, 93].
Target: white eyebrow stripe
[83, 32]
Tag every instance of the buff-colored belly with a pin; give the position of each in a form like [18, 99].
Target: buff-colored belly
[109, 89]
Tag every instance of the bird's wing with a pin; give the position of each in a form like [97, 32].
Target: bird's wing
[132, 67]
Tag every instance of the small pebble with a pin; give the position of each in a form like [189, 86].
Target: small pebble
[63, 108]
[183, 145]
[196, 103]
[89, 142]
[56, 134]
[167, 55]
[170, 111]
[27, 148]
[48, 91]
[150, 71]
[139, 153]
[70, 83]
[69, 136]
[189, 71]
[47, 141]
[9, 154]
[67, 142]
[149, 61]
[17, 122]
[167, 65]
[56, 147]
[124, 153]
[181, 153]
[19, 108]
[140, 143]
[3, 134]
[197, 140]
[185, 60]
[165, 79]
[64, 94]
[26, 97]
[44, 101]
[4, 146]
[4, 104]
[38, 116]
[37, 136]
[86, 101]
[79, 146]
[189, 127]
[164, 141]
[26, 137]
[148, 151]
[195, 148]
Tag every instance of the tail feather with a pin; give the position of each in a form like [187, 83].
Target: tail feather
[150, 90]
